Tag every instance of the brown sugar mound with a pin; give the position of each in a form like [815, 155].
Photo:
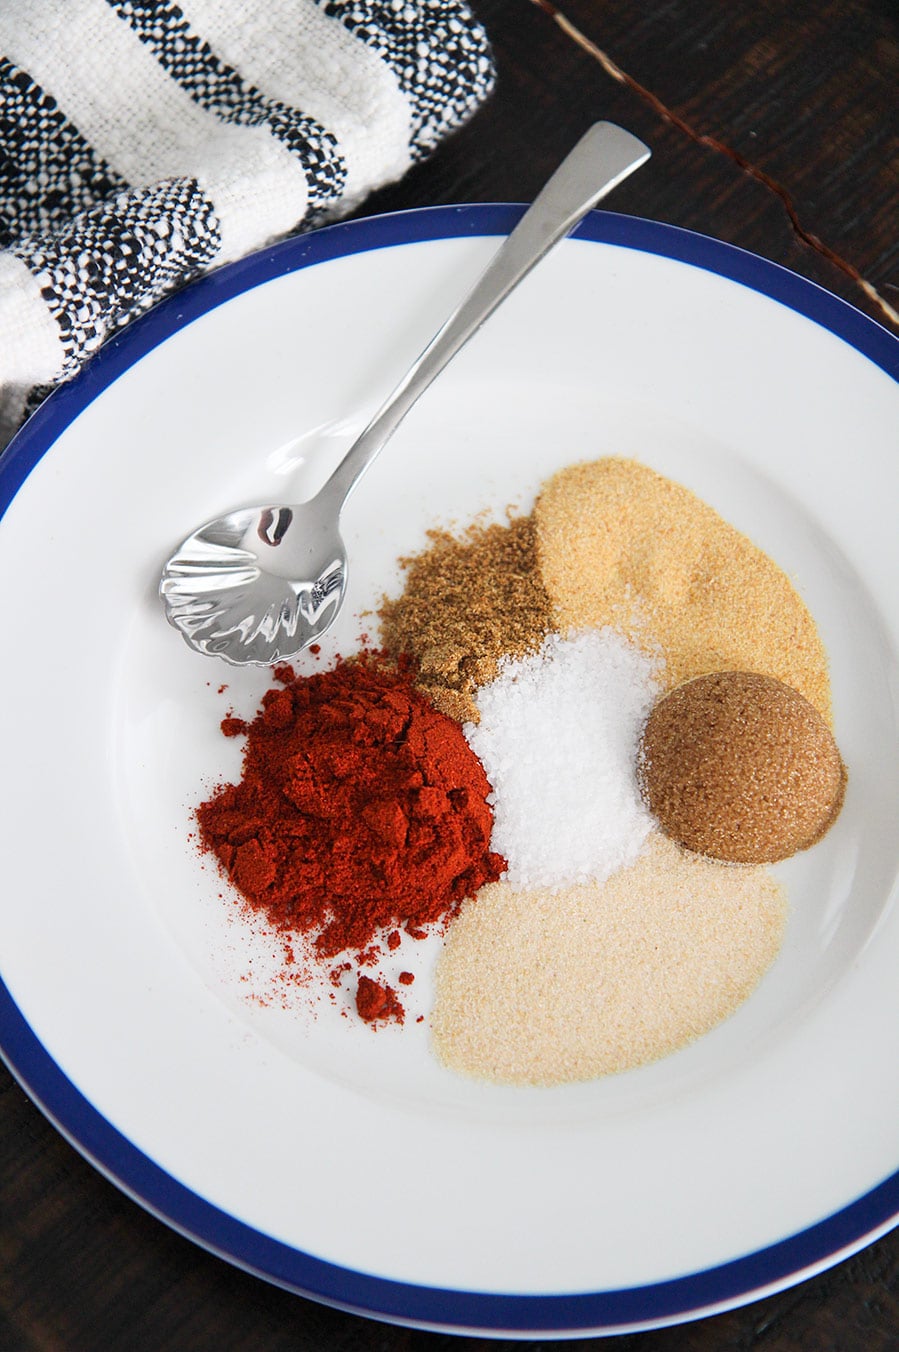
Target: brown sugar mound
[740, 767]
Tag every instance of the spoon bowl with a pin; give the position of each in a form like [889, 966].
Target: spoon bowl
[259, 584]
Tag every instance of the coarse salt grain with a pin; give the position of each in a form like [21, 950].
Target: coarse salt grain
[558, 737]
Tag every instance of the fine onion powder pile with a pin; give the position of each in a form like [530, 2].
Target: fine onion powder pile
[558, 737]
[545, 987]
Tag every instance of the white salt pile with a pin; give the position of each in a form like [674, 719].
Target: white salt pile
[558, 737]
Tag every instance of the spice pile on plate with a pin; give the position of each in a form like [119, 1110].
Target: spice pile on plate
[361, 811]
[586, 734]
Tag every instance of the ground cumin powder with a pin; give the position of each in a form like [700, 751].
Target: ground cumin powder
[621, 545]
[468, 601]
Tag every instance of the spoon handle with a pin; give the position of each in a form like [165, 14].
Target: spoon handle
[602, 159]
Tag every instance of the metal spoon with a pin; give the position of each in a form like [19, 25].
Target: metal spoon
[262, 583]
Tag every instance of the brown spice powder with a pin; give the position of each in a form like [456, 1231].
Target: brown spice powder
[619, 544]
[740, 767]
[467, 602]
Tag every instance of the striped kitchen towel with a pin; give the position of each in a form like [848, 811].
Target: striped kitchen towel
[143, 143]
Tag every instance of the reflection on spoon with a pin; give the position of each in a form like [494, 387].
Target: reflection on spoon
[260, 584]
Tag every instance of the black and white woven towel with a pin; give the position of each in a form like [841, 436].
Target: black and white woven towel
[142, 143]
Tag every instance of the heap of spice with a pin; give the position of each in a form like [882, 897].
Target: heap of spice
[558, 735]
[361, 809]
[547, 987]
[741, 768]
[466, 603]
[621, 545]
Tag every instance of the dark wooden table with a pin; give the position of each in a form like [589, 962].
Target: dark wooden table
[774, 125]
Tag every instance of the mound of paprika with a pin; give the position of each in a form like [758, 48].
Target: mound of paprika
[360, 809]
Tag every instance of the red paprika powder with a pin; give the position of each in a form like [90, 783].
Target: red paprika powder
[376, 1002]
[360, 808]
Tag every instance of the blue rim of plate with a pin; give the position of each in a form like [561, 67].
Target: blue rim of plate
[727, 1285]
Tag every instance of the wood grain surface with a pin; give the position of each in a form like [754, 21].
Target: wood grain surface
[774, 126]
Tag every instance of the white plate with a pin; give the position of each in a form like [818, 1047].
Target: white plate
[347, 1164]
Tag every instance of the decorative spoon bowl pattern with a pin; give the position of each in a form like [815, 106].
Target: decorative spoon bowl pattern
[259, 584]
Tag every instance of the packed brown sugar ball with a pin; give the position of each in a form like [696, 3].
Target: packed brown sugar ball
[740, 767]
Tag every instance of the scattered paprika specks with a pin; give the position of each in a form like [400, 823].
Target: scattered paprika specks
[406, 978]
[233, 727]
[361, 813]
[377, 1003]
